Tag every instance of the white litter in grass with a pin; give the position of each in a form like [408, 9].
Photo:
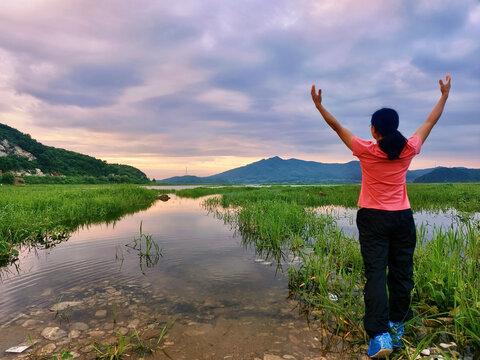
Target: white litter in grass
[17, 349]
[332, 297]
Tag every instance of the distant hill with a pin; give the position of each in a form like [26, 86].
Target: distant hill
[455, 174]
[277, 170]
[291, 171]
[25, 156]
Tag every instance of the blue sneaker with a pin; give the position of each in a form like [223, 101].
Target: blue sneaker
[380, 346]
[397, 330]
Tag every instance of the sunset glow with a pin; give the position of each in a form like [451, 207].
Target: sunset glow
[203, 87]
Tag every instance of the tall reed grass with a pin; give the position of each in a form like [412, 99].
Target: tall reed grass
[280, 222]
[462, 197]
[45, 214]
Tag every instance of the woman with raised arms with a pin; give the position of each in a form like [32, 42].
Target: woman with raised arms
[385, 222]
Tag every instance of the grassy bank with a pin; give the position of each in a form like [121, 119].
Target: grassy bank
[45, 214]
[327, 279]
[462, 197]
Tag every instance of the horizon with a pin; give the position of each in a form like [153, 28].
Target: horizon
[328, 163]
[207, 87]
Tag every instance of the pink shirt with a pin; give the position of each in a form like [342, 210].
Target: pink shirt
[383, 180]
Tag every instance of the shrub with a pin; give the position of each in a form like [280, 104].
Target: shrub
[8, 178]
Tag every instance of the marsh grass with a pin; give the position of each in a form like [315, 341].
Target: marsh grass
[44, 215]
[328, 281]
[148, 251]
[113, 351]
[131, 344]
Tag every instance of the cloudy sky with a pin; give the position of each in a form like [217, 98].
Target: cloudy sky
[205, 86]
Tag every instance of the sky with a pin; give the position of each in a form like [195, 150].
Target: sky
[200, 87]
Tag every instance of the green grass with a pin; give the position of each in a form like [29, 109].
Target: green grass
[46, 214]
[132, 345]
[279, 222]
[462, 197]
[148, 251]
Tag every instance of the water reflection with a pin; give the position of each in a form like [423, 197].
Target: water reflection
[205, 276]
[226, 291]
[429, 221]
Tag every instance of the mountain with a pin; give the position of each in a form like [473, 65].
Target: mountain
[456, 174]
[25, 156]
[277, 170]
[291, 171]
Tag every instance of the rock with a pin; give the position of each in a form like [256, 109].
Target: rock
[87, 349]
[123, 331]
[47, 349]
[79, 326]
[193, 332]
[101, 313]
[29, 323]
[64, 305]
[108, 326]
[425, 352]
[134, 323]
[271, 357]
[110, 340]
[289, 357]
[96, 334]
[153, 333]
[74, 334]
[293, 339]
[74, 354]
[448, 346]
[53, 333]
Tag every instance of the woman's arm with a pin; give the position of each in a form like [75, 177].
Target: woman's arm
[424, 130]
[344, 134]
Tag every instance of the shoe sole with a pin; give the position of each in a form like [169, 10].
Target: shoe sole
[383, 353]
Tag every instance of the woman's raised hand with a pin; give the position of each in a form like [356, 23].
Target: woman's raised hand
[317, 98]
[445, 87]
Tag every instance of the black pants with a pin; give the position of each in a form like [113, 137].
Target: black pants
[387, 238]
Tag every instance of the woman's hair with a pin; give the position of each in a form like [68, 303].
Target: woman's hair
[385, 121]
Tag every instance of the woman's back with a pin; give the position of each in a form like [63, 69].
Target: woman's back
[383, 180]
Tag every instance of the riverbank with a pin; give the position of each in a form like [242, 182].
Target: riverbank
[46, 214]
[282, 222]
[283, 226]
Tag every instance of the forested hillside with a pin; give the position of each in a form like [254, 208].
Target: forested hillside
[450, 175]
[22, 154]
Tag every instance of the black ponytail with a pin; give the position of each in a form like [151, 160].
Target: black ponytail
[385, 121]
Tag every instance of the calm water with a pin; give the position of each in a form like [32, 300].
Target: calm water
[430, 221]
[226, 300]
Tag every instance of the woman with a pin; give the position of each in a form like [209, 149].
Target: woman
[385, 222]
